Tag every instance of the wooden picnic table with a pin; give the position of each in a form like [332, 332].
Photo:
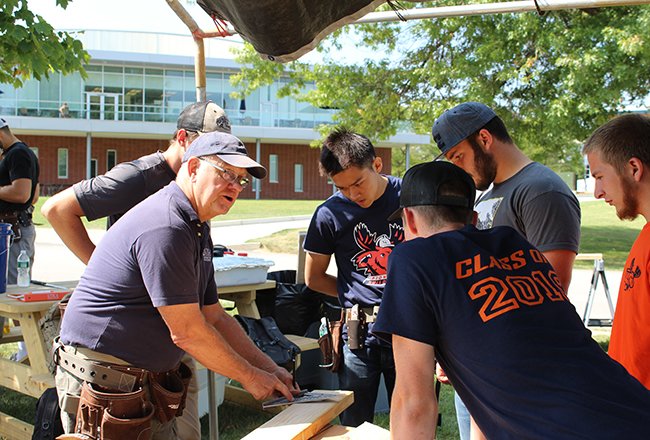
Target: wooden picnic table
[33, 378]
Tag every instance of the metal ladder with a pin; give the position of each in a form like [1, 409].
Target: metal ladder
[599, 272]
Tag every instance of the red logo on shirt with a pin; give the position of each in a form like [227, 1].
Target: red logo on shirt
[372, 260]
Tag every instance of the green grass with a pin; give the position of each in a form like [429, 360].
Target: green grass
[602, 231]
[242, 209]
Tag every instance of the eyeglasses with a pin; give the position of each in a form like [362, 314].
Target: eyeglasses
[228, 175]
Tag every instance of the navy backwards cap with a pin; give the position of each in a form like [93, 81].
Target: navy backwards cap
[421, 187]
[228, 148]
[203, 117]
[459, 123]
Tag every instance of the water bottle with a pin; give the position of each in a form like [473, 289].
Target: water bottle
[322, 330]
[23, 278]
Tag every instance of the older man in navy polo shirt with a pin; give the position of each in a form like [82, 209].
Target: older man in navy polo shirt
[148, 294]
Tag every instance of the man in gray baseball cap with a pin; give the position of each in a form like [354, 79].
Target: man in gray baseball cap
[522, 194]
[458, 123]
[112, 194]
[227, 148]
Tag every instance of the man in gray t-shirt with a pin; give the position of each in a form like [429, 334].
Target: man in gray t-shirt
[519, 193]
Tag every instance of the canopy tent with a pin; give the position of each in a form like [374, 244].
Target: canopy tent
[284, 30]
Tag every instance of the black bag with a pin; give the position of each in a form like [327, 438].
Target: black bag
[293, 305]
[47, 424]
[267, 336]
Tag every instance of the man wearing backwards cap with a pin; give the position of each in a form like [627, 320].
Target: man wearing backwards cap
[525, 195]
[490, 309]
[120, 189]
[148, 294]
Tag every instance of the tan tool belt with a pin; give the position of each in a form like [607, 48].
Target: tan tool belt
[119, 401]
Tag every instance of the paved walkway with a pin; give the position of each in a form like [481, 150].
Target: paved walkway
[54, 262]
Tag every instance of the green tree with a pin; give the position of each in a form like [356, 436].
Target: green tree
[552, 78]
[31, 48]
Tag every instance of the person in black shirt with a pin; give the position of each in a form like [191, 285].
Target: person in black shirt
[19, 171]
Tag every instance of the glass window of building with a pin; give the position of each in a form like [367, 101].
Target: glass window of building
[7, 100]
[133, 94]
[273, 168]
[49, 95]
[214, 87]
[189, 88]
[153, 94]
[174, 96]
[35, 150]
[297, 178]
[62, 163]
[72, 93]
[93, 168]
[27, 98]
[229, 104]
[111, 159]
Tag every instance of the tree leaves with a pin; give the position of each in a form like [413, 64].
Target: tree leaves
[552, 78]
[29, 46]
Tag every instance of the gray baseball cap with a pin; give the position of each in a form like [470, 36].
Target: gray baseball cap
[228, 148]
[203, 117]
[458, 123]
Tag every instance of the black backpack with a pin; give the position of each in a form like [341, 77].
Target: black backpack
[267, 336]
[47, 424]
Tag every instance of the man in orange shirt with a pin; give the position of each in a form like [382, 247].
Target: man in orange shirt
[619, 158]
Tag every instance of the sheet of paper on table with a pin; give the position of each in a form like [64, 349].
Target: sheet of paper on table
[303, 397]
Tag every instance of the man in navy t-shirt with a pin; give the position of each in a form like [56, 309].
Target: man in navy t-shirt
[491, 310]
[352, 226]
[148, 294]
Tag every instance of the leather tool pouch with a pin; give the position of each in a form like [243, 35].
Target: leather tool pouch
[105, 414]
[168, 392]
[186, 376]
[331, 344]
[357, 329]
[15, 225]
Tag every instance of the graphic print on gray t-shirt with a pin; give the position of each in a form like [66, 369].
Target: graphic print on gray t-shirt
[486, 210]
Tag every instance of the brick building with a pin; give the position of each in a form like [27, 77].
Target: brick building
[127, 107]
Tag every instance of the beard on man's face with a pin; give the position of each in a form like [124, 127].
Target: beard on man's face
[485, 167]
[630, 208]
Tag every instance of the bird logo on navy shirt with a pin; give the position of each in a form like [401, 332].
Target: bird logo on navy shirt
[372, 260]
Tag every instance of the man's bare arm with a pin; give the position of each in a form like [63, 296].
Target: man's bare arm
[18, 191]
[316, 276]
[414, 407]
[562, 262]
[234, 334]
[191, 332]
[64, 214]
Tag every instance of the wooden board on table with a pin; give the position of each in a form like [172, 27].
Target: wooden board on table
[303, 421]
[362, 432]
